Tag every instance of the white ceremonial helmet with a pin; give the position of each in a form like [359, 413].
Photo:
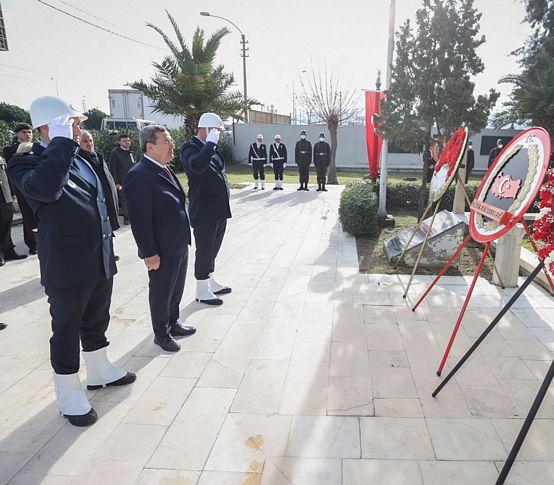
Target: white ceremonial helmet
[46, 109]
[210, 120]
[277, 137]
[259, 137]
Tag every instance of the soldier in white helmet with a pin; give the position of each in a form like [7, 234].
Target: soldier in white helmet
[278, 160]
[209, 206]
[77, 262]
[257, 156]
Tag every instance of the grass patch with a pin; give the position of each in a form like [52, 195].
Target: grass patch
[372, 258]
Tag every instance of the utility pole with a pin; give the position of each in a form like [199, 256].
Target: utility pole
[384, 219]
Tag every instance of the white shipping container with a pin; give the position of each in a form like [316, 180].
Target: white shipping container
[126, 103]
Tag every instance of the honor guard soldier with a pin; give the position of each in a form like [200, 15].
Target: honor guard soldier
[303, 158]
[322, 159]
[77, 262]
[278, 159]
[257, 156]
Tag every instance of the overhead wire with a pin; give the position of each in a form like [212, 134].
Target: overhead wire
[98, 26]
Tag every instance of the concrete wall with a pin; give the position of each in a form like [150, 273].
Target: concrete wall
[351, 150]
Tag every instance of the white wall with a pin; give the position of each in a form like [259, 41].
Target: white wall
[351, 150]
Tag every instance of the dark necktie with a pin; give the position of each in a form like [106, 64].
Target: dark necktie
[169, 174]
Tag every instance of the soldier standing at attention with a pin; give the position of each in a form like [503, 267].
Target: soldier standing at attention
[322, 159]
[303, 158]
[257, 156]
[278, 159]
[121, 160]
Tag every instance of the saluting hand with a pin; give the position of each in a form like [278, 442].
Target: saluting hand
[152, 263]
[213, 135]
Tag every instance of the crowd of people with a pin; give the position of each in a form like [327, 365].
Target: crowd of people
[74, 196]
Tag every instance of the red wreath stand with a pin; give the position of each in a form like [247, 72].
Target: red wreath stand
[505, 219]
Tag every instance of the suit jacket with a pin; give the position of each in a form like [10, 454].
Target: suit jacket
[74, 249]
[208, 185]
[100, 166]
[303, 152]
[255, 153]
[120, 162]
[157, 211]
[6, 195]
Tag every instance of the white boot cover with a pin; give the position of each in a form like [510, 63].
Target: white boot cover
[100, 371]
[72, 400]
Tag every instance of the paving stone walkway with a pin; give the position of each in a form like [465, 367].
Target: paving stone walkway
[309, 374]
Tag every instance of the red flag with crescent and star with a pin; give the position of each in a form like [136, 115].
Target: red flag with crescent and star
[372, 101]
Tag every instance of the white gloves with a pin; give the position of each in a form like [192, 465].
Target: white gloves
[61, 126]
[284, 165]
[213, 136]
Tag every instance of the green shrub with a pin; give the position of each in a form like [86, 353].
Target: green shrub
[406, 196]
[358, 208]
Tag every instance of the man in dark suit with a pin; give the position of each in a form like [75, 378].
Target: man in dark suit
[23, 134]
[160, 225]
[121, 161]
[76, 254]
[470, 160]
[209, 204]
[322, 159]
[303, 158]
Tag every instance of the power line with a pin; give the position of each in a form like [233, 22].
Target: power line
[27, 70]
[21, 77]
[91, 15]
[98, 26]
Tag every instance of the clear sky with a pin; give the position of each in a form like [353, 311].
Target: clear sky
[285, 37]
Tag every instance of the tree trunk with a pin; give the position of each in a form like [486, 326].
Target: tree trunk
[332, 174]
[423, 191]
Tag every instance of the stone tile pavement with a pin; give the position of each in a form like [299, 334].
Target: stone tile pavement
[310, 373]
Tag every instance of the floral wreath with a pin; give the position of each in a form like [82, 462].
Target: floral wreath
[451, 152]
[544, 226]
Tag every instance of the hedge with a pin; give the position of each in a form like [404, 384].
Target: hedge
[358, 208]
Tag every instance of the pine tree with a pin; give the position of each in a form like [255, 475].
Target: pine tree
[432, 85]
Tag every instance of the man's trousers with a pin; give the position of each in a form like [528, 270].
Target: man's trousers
[166, 290]
[278, 169]
[304, 172]
[78, 313]
[258, 169]
[208, 236]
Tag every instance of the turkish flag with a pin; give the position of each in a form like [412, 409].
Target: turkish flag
[372, 101]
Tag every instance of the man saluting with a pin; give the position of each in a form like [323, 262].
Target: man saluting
[77, 262]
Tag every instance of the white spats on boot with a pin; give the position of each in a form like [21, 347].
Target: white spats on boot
[204, 295]
[100, 371]
[72, 401]
[256, 184]
[216, 288]
[263, 184]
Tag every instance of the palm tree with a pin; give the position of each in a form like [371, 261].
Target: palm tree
[187, 82]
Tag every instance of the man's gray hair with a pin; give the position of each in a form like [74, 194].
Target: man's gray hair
[148, 135]
[86, 132]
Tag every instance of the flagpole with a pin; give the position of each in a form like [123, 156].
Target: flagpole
[382, 211]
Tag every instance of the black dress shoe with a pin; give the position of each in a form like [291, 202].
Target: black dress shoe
[213, 301]
[83, 420]
[224, 291]
[116, 257]
[2, 261]
[33, 251]
[129, 378]
[167, 343]
[300, 188]
[306, 189]
[3, 326]
[178, 330]
[13, 256]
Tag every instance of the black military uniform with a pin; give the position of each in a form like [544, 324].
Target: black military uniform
[303, 158]
[257, 156]
[121, 161]
[278, 159]
[495, 152]
[470, 162]
[29, 223]
[322, 159]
